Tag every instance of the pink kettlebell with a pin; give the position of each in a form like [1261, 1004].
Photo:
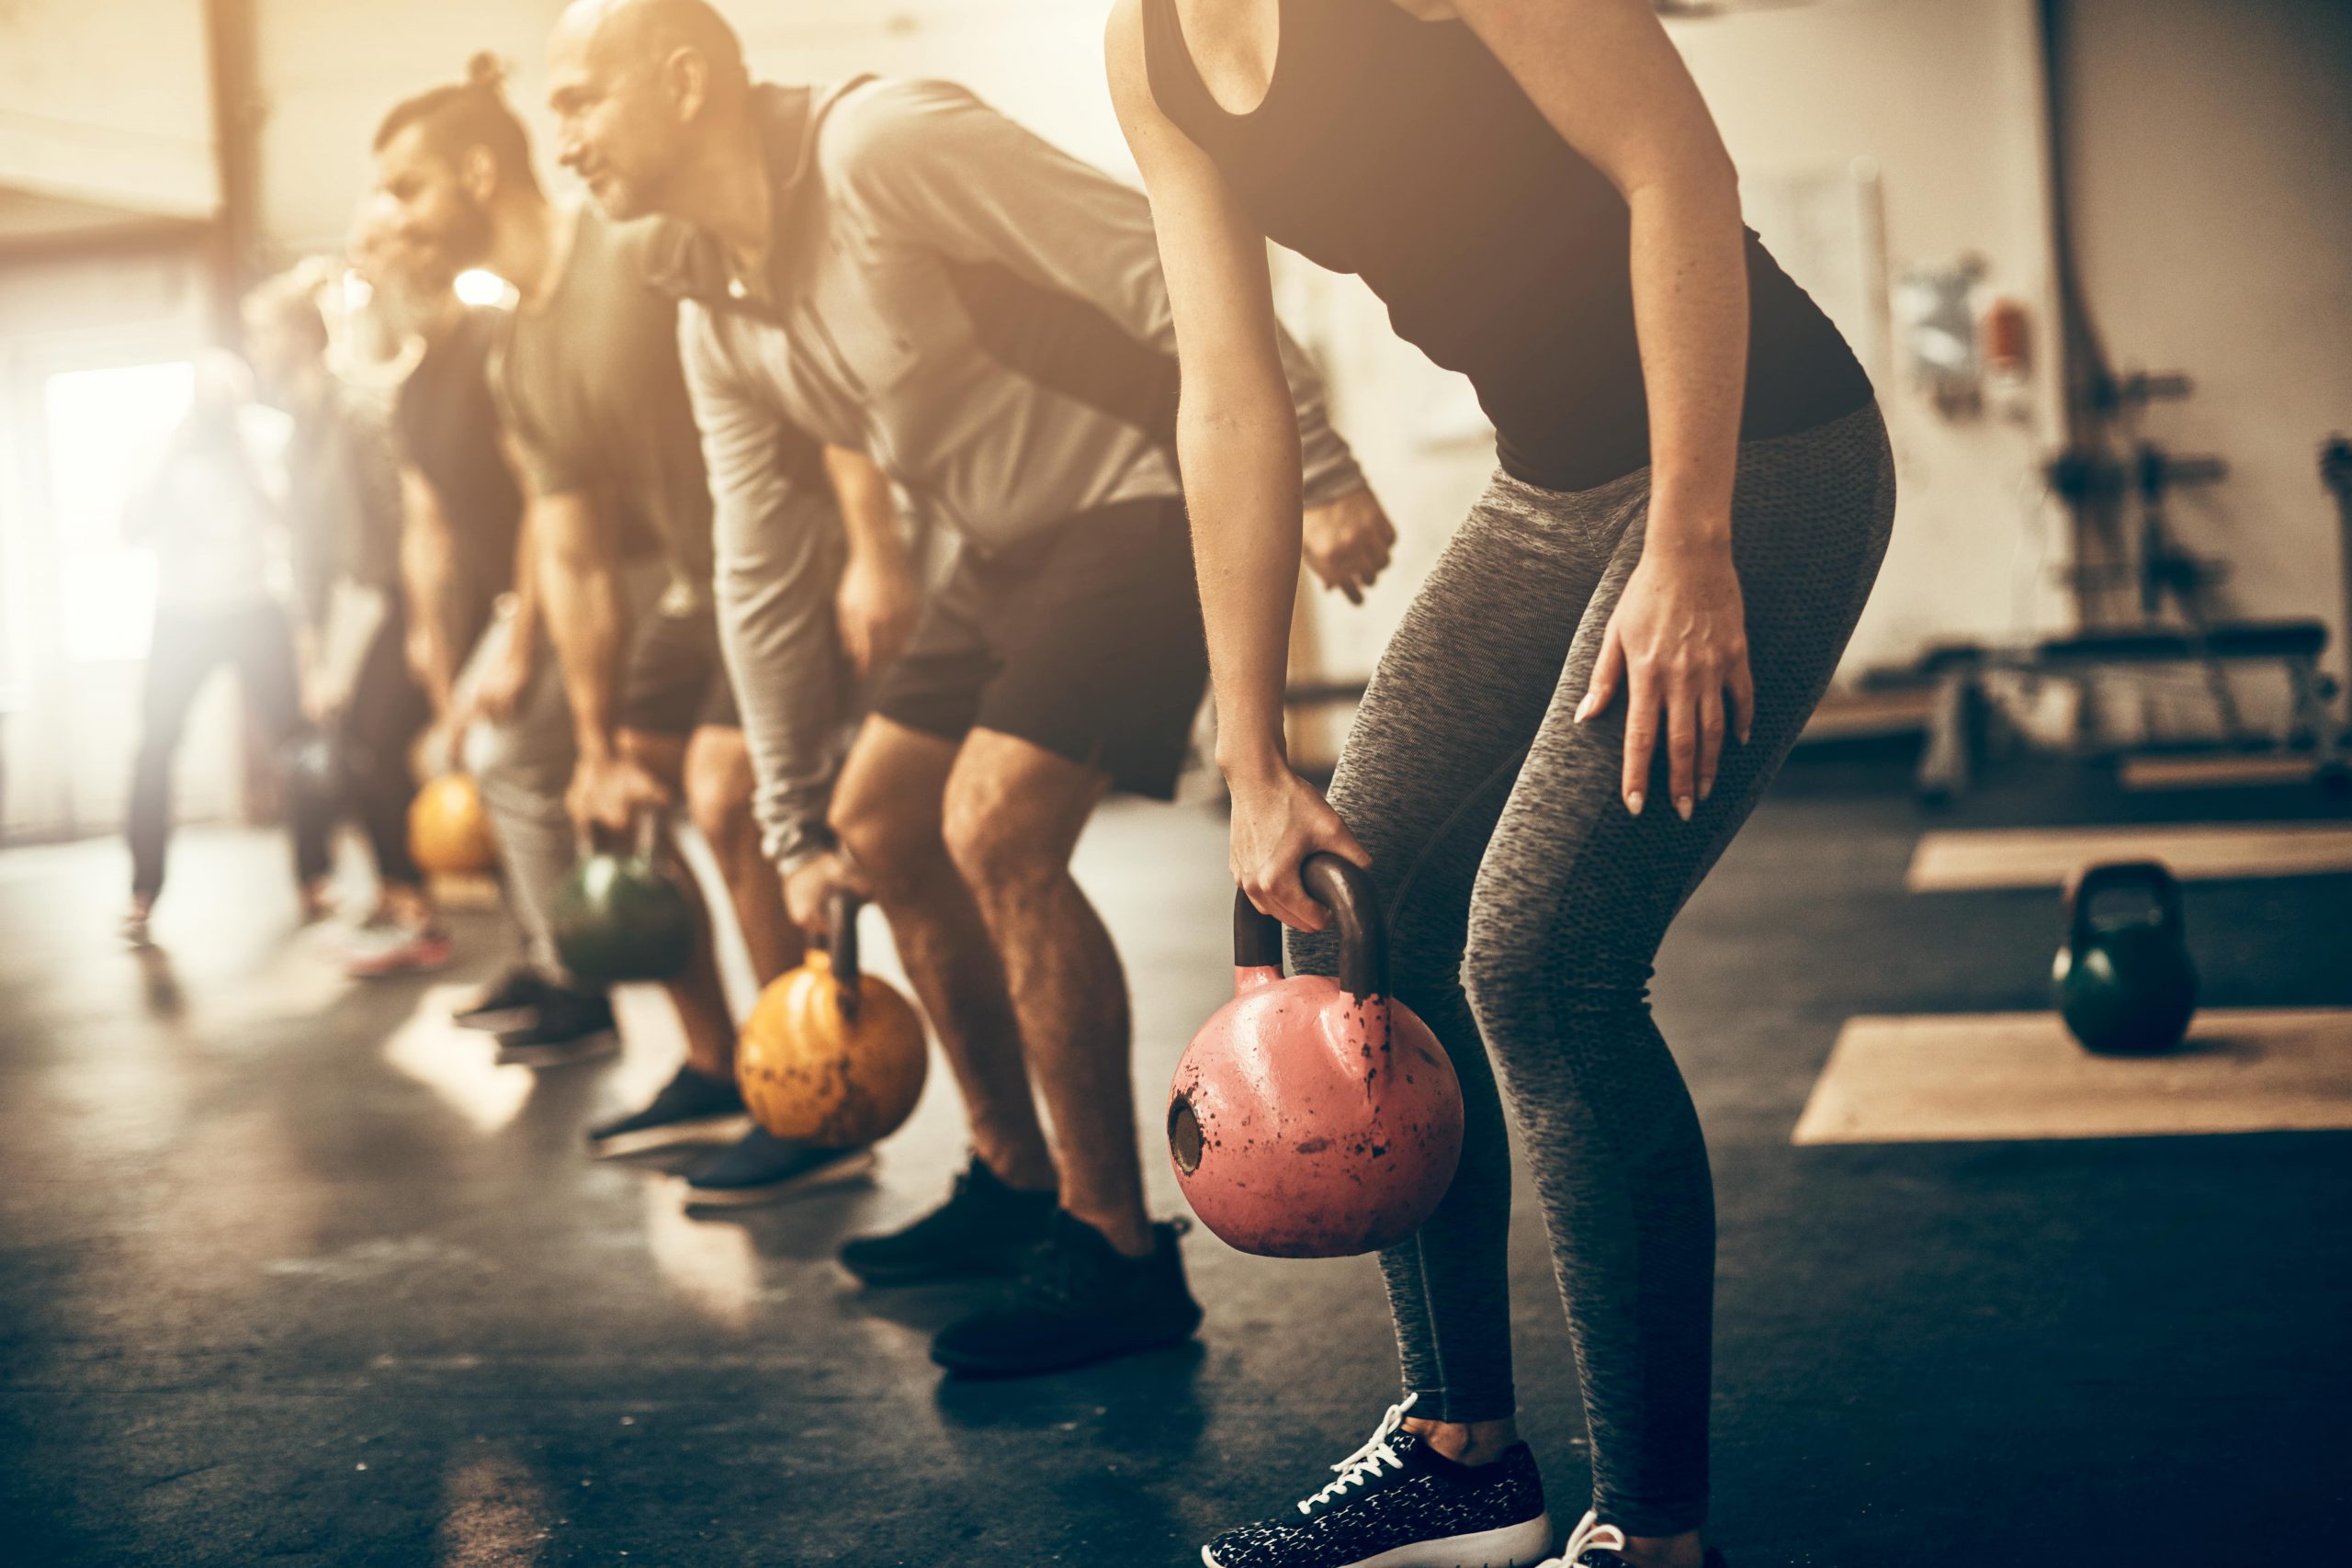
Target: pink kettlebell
[1314, 1118]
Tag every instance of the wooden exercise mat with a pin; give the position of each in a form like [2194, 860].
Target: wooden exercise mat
[1968, 1076]
[1964, 860]
[2220, 770]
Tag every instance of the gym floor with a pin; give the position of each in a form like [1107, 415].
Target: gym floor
[292, 1274]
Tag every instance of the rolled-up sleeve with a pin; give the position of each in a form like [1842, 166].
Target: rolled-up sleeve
[778, 550]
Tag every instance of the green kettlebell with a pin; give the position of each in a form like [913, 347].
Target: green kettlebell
[623, 917]
[2125, 986]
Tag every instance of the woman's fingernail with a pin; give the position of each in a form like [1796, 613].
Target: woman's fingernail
[1682, 807]
[1583, 708]
[1633, 803]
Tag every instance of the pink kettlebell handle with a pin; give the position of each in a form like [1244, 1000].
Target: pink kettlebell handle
[1341, 886]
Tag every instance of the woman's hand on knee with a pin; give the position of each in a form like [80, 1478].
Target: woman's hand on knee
[1676, 648]
[1279, 819]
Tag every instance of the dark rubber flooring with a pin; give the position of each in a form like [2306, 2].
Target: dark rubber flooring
[289, 1274]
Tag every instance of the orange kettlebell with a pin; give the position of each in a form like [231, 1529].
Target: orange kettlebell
[831, 1056]
[448, 832]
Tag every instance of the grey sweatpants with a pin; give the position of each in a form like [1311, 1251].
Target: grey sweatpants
[523, 765]
[1524, 907]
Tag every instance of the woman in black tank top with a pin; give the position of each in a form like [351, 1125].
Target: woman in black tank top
[1694, 500]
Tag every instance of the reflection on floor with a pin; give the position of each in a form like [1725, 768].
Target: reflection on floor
[294, 1273]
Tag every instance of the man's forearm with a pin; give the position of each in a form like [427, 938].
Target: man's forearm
[777, 562]
[428, 576]
[524, 630]
[869, 510]
[776, 632]
[584, 615]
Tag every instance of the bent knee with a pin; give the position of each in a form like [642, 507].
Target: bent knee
[993, 850]
[719, 784]
[1518, 973]
[892, 841]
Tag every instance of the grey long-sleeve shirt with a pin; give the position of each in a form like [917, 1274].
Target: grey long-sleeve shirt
[980, 313]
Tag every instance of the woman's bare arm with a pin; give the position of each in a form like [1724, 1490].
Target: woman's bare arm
[1236, 435]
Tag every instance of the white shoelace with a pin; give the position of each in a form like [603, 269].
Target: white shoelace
[1590, 1532]
[1366, 1461]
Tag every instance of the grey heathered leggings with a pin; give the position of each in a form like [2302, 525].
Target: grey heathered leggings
[1524, 905]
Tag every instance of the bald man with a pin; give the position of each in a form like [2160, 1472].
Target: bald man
[892, 266]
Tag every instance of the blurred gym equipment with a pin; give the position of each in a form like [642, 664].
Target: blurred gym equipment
[621, 916]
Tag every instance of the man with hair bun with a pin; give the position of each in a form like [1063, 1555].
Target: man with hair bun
[593, 408]
[893, 265]
[478, 640]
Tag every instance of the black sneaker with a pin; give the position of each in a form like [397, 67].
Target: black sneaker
[1079, 1300]
[570, 1026]
[764, 1168]
[985, 1227]
[1595, 1545]
[693, 1107]
[1401, 1504]
[512, 1002]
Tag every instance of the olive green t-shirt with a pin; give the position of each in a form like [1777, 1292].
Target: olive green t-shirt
[589, 386]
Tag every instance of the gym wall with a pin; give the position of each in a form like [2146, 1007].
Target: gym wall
[2211, 167]
[86, 122]
[2209, 158]
[1944, 98]
[329, 72]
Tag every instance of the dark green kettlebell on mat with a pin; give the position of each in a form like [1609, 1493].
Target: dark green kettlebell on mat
[623, 917]
[2125, 983]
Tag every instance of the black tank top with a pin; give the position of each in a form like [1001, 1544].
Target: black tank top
[1402, 151]
[448, 428]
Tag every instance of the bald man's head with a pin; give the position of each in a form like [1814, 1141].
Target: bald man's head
[635, 86]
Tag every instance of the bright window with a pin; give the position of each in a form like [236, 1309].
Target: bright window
[105, 428]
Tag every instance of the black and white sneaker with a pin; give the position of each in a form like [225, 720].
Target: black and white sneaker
[693, 1107]
[1399, 1503]
[1078, 1301]
[763, 1168]
[569, 1026]
[1595, 1545]
[510, 1003]
[984, 1228]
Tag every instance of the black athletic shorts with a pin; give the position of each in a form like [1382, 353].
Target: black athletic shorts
[674, 680]
[1086, 641]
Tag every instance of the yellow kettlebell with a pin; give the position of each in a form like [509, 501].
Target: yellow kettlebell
[449, 831]
[831, 1056]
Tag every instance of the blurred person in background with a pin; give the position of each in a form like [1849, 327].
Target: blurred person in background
[342, 506]
[207, 513]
